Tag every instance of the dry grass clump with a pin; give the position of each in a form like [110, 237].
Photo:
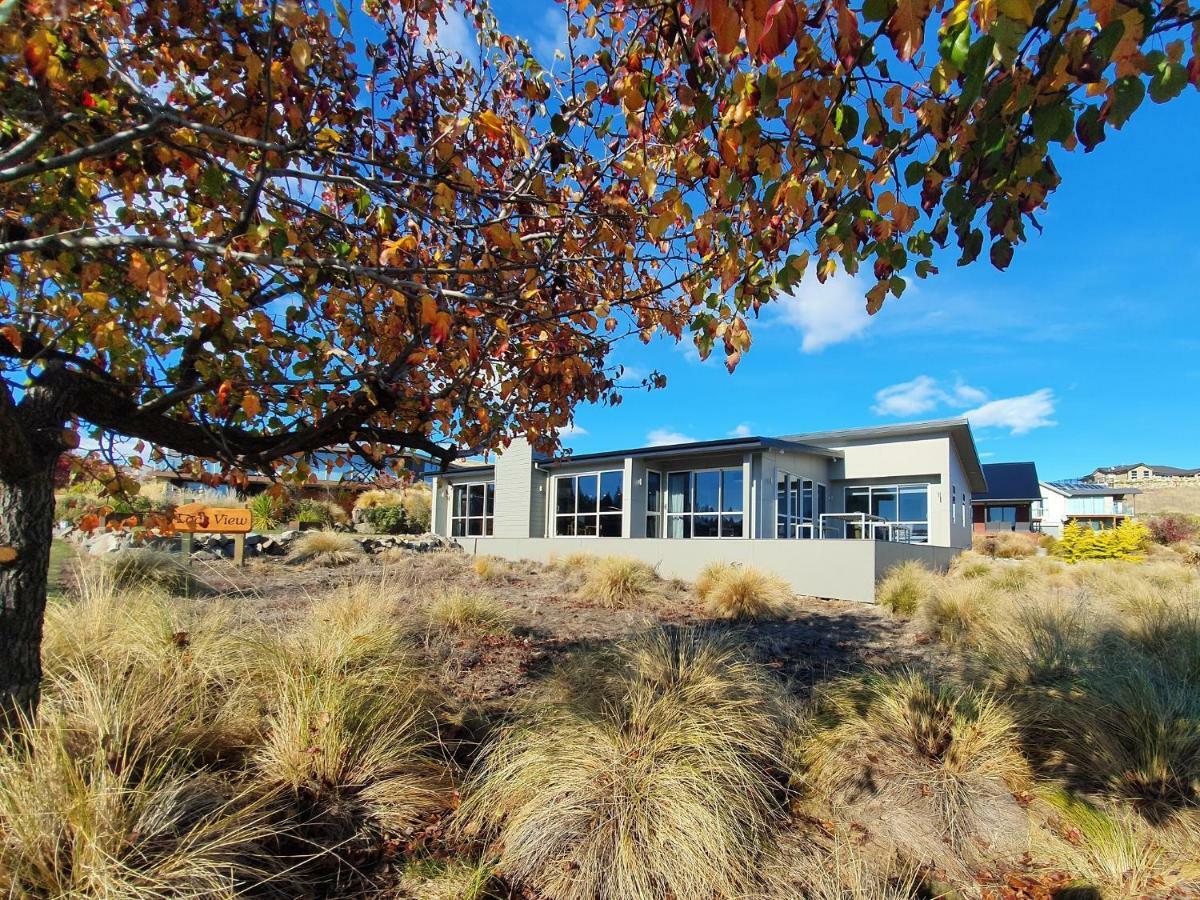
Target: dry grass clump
[1005, 544]
[491, 569]
[137, 568]
[459, 610]
[907, 746]
[325, 548]
[617, 582]
[106, 822]
[970, 565]
[573, 563]
[904, 587]
[809, 865]
[743, 592]
[354, 629]
[655, 775]
[712, 573]
[956, 610]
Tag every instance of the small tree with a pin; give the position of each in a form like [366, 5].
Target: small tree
[248, 231]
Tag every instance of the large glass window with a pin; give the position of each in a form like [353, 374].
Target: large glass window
[653, 503]
[1088, 505]
[473, 510]
[799, 503]
[904, 504]
[1006, 514]
[589, 504]
[707, 503]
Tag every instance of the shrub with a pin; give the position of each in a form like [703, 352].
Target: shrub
[648, 775]
[374, 499]
[388, 519]
[743, 592]
[267, 511]
[1172, 528]
[135, 569]
[464, 611]
[888, 740]
[1127, 541]
[904, 587]
[418, 507]
[619, 581]
[325, 548]
[1004, 544]
[489, 568]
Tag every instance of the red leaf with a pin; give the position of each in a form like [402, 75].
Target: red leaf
[726, 25]
[779, 27]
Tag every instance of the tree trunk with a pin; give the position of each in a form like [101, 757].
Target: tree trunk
[27, 526]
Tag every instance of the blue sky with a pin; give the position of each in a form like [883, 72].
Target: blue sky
[1085, 352]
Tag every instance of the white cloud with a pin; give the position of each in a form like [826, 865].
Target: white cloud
[454, 35]
[828, 313]
[742, 430]
[662, 436]
[923, 393]
[549, 33]
[1018, 414]
[572, 430]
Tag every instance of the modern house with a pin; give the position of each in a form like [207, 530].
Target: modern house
[829, 511]
[1012, 501]
[1141, 472]
[1095, 506]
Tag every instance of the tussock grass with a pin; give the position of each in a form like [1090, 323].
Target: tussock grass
[887, 740]
[107, 822]
[1005, 545]
[491, 569]
[325, 548]
[356, 757]
[354, 629]
[573, 563]
[617, 582]
[137, 569]
[956, 610]
[904, 586]
[805, 865]
[970, 565]
[659, 778]
[743, 592]
[707, 580]
[460, 610]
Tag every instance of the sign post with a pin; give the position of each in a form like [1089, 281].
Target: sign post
[195, 518]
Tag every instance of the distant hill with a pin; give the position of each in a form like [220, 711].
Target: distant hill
[1167, 497]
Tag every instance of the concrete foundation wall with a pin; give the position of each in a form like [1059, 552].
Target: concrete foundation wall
[838, 570]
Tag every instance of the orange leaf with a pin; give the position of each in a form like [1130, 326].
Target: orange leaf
[429, 310]
[491, 124]
[12, 336]
[8, 555]
[726, 25]
[440, 330]
[251, 405]
[779, 28]
[89, 523]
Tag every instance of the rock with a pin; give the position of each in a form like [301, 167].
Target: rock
[108, 542]
[288, 536]
[470, 660]
[364, 527]
[206, 555]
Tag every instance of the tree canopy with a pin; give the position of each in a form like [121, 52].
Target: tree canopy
[249, 230]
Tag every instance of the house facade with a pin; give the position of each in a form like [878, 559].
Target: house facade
[1136, 472]
[1012, 501]
[1092, 505]
[829, 511]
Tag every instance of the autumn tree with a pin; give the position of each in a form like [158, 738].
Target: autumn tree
[246, 231]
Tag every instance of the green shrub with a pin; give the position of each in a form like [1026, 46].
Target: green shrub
[267, 511]
[388, 519]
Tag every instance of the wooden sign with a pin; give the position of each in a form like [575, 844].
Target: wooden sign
[194, 518]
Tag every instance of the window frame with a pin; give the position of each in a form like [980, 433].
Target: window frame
[576, 515]
[486, 519]
[690, 513]
[655, 512]
[808, 491]
[899, 487]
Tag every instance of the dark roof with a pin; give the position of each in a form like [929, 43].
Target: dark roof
[1160, 470]
[959, 430]
[1009, 482]
[692, 448]
[1087, 489]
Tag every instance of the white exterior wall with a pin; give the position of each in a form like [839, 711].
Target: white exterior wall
[837, 570]
[1054, 510]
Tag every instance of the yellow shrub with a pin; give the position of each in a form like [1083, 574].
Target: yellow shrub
[1127, 541]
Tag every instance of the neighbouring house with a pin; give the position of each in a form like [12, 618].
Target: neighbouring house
[1140, 472]
[829, 511]
[1012, 501]
[1092, 505]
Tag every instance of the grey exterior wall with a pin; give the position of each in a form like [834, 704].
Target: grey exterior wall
[838, 570]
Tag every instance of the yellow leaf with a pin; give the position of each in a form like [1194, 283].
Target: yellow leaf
[301, 54]
[490, 124]
[328, 139]
[1020, 10]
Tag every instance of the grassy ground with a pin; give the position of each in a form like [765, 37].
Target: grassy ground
[61, 554]
[436, 726]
